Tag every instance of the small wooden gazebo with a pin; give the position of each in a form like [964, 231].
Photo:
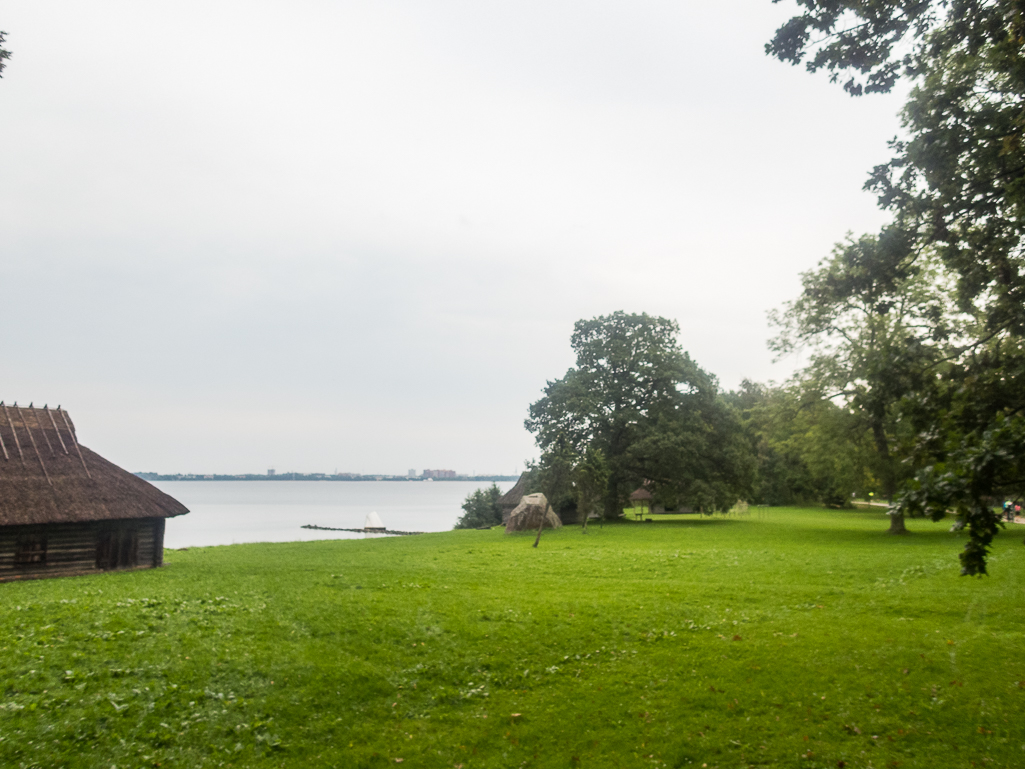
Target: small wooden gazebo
[65, 509]
[640, 501]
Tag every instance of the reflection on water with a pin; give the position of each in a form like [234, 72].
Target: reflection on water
[229, 512]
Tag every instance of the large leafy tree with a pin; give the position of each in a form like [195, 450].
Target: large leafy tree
[655, 415]
[874, 336]
[956, 189]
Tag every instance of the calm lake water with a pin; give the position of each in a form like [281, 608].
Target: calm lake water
[230, 512]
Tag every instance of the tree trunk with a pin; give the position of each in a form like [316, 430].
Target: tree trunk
[610, 511]
[883, 450]
[888, 477]
[613, 501]
[540, 528]
[897, 524]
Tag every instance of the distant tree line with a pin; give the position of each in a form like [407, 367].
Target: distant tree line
[637, 412]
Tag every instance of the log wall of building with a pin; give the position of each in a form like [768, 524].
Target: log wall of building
[72, 548]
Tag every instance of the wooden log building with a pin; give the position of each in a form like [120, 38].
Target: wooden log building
[66, 510]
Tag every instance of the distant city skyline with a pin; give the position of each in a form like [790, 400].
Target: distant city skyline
[313, 476]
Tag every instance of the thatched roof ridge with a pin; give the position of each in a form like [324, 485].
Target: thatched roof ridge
[46, 476]
[515, 494]
[508, 501]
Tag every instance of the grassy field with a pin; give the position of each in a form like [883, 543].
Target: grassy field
[791, 638]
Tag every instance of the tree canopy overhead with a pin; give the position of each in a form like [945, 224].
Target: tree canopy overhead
[957, 179]
[881, 41]
[956, 189]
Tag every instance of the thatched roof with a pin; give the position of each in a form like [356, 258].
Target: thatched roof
[512, 497]
[641, 495]
[508, 501]
[46, 476]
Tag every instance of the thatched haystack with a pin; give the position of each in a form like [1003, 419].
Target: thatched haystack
[529, 512]
[65, 509]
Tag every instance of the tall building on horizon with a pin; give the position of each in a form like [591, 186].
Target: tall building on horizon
[438, 474]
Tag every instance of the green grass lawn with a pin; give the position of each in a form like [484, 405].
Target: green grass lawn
[791, 638]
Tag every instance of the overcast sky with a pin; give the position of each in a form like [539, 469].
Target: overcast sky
[321, 234]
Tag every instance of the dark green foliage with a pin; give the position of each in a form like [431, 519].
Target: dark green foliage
[839, 35]
[575, 484]
[555, 477]
[590, 479]
[872, 334]
[481, 509]
[972, 434]
[805, 448]
[956, 189]
[655, 415]
[4, 53]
